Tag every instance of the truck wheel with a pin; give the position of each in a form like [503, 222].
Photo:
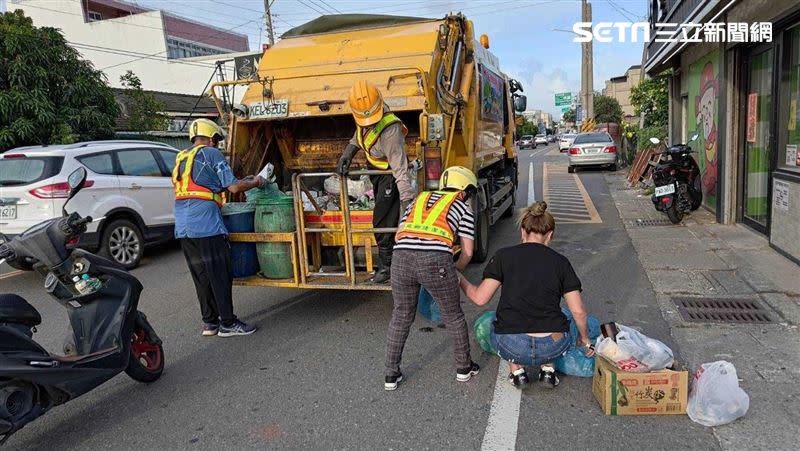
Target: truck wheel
[481, 237]
[123, 242]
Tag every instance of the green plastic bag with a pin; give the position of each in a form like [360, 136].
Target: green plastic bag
[483, 331]
[268, 191]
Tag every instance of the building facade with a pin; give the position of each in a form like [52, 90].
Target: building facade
[538, 117]
[620, 89]
[168, 53]
[741, 99]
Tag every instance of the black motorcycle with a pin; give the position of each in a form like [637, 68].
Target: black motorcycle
[109, 335]
[677, 181]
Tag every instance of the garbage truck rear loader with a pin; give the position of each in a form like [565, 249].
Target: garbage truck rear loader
[446, 87]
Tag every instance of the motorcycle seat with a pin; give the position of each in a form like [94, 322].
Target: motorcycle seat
[16, 310]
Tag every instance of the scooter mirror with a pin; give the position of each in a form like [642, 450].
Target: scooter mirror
[655, 140]
[693, 138]
[76, 181]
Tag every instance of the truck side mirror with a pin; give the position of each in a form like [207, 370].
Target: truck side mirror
[520, 103]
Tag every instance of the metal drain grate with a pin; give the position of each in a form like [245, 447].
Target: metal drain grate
[700, 310]
[652, 222]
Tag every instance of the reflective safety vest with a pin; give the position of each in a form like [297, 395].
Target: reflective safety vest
[429, 223]
[368, 139]
[185, 187]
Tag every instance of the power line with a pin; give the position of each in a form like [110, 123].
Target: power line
[310, 7]
[617, 8]
[325, 5]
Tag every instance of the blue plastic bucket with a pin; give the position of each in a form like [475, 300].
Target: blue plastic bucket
[238, 218]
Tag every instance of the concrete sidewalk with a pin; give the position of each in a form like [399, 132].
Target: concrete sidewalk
[702, 259]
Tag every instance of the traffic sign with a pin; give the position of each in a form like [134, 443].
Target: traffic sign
[563, 98]
[566, 109]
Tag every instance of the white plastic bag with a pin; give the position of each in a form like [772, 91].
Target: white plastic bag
[715, 397]
[634, 351]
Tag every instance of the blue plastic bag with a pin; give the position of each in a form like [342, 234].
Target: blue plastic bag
[483, 331]
[574, 362]
[428, 307]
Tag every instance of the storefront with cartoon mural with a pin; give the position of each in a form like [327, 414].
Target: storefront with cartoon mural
[703, 119]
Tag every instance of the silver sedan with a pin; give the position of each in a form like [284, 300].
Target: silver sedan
[593, 149]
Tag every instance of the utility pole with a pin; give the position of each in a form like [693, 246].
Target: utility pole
[268, 22]
[587, 71]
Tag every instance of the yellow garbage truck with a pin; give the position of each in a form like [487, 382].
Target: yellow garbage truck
[435, 75]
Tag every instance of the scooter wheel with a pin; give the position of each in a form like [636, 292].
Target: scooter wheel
[147, 360]
[674, 214]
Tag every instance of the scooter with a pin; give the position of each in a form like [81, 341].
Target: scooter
[109, 335]
[677, 181]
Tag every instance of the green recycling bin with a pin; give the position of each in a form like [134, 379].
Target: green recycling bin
[275, 214]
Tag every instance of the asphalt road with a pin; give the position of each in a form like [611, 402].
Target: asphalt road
[312, 375]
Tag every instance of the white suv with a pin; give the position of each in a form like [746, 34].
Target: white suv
[129, 185]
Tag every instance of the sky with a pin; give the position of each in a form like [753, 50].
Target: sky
[521, 32]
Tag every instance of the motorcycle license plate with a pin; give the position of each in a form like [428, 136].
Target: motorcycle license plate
[664, 190]
[8, 212]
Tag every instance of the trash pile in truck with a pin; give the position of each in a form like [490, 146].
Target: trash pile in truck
[360, 193]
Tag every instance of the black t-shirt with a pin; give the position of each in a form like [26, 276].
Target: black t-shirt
[534, 279]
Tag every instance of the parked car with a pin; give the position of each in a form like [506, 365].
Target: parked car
[129, 188]
[526, 142]
[593, 149]
[540, 140]
[565, 141]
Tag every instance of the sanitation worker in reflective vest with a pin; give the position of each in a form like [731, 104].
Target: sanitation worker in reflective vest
[381, 135]
[200, 175]
[423, 257]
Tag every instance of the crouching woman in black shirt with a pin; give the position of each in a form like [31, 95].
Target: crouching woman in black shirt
[530, 328]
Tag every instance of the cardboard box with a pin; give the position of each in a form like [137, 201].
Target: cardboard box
[619, 392]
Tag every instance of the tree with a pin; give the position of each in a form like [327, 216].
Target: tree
[569, 116]
[48, 94]
[145, 113]
[607, 109]
[650, 98]
[528, 128]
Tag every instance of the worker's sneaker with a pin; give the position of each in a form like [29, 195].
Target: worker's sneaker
[391, 382]
[381, 276]
[547, 377]
[465, 374]
[210, 329]
[518, 378]
[237, 328]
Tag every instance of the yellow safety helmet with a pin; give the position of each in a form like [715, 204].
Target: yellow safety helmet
[205, 127]
[457, 178]
[366, 103]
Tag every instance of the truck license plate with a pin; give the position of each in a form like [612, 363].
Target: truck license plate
[664, 190]
[8, 212]
[269, 110]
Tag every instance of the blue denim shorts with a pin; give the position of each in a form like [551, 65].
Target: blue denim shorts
[523, 349]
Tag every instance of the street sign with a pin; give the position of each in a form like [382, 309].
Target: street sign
[563, 98]
[566, 109]
[579, 113]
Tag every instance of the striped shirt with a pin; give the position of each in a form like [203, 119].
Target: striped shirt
[459, 217]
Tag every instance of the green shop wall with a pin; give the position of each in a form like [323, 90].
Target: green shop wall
[703, 119]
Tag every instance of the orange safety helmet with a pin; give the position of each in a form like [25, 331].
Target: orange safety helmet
[366, 103]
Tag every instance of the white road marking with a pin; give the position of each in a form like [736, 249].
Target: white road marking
[501, 429]
[531, 186]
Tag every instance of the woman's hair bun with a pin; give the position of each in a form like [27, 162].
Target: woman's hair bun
[538, 208]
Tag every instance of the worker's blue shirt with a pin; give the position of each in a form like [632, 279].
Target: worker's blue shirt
[198, 218]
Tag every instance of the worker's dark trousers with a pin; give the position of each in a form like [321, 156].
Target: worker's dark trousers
[386, 214]
[209, 262]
